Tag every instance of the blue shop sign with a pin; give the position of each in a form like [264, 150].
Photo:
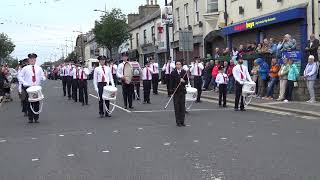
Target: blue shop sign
[297, 13]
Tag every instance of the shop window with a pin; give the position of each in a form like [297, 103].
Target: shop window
[212, 6]
[153, 35]
[145, 36]
[196, 9]
[178, 19]
[137, 39]
[186, 12]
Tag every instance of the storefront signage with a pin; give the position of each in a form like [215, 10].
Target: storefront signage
[297, 13]
[296, 56]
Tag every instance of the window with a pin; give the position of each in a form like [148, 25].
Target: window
[131, 42]
[196, 9]
[212, 6]
[178, 19]
[137, 39]
[186, 12]
[153, 35]
[145, 36]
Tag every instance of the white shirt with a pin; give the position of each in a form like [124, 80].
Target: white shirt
[147, 73]
[19, 82]
[222, 78]
[26, 74]
[155, 68]
[196, 69]
[84, 73]
[113, 68]
[75, 74]
[120, 70]
[238, 70]
[168, 68]
[99, 74]
[69, 70]
[185, 67]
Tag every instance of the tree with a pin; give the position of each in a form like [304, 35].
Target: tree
[12, 62]
[72, 57]
[6, 46]
[112, 30]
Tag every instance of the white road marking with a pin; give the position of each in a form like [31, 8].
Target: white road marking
[223, 138]
[34, 138]
[274, 134]
[116, 131]
[298, 132]
[61, 135]
[249, 136]
[191, 110]
[3, 140]
[195, 141]
[166, 144]
[126, 110]
[89, 133]
[70, 155]
[35, 159]
[137, 147]
[140, 129]
[105, 151]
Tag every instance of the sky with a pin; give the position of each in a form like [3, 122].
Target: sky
[45, 27]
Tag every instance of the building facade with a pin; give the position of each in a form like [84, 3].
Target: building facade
[188, 16]
[91, 48]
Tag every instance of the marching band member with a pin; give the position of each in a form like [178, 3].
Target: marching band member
[83, 85]
[63, 75]
[75, 82]
[22, 94]
[102, 76]
[196, 71]
[222, 81]
[69, 78]
[155, 75]
[168, 68]
[241, 74]
[113, 68]
[147, 78]
[127, 89]
[31, 75]
[137, 74]
[178, 84]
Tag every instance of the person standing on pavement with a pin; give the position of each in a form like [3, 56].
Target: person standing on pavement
[127, 89]
[137, 71]
[147, 81]
[263, 72]
[83, 85]
[75, 82]
[196, 71]
[222, 82]
[241, 75]
[31, 75]
[214, 73]
[310, 75]
[178, 81]
[22, 93]
[207, 74]
[168, 68]
[230, 76]
[69, 79]
[283, 76]
[274, 78]
[155, 75]
[293, 74]
[102, 77]
[114, 68]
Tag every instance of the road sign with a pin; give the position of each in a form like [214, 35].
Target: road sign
[185, 41]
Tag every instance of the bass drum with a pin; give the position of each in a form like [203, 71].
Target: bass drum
[127, 73]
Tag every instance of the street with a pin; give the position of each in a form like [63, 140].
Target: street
[72, 143]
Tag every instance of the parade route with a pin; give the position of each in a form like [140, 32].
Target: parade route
[71, 142]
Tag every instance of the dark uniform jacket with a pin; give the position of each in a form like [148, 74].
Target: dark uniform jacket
[175, 80]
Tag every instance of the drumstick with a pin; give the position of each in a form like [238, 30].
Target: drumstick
[174, 92]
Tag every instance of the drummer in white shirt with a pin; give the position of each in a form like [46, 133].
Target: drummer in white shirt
[241, 75]
[155, 75]
[146, 78]
[102, 76]
[31, 75]
[83, 85]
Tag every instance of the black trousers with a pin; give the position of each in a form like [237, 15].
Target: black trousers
[100, 91]
[179, 101]
[155, 83]
[69, 85]
[64, 85]
[207, 83]
[35, 106]
[75, 87]
[198, 86]
[146, 90]
[127, 92]
[289, 89]
[223, 94]
[167, 76]
[239, 96]
[115, 79]
[137, 88]
[83, 91]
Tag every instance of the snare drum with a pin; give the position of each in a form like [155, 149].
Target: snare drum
[109, 93]
[35, 94]
[249, 87]
[191, 94]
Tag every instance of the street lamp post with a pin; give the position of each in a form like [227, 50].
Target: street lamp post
[167, 35]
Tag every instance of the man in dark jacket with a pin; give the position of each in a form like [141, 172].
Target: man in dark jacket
[312, 47]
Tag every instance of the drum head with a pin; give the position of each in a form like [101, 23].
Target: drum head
[34, 89]
[127, 72]
[110, 88]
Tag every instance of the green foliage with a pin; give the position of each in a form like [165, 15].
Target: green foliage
[6, 46]
[72, 57]
[112, 30]
[12, 62]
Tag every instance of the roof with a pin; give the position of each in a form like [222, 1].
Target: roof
[146, 19]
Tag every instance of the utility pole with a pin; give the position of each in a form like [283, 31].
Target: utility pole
[167, 35]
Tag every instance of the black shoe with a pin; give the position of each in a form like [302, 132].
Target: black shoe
[179, 125]
[107, 115]
[225, 106]
[243, 110]
[126, 107]
[186, 112]
[235, 109]
[183, 125]
[30, 121]
[149, 102]
[131, 107]
[36, 121]
[138, 99]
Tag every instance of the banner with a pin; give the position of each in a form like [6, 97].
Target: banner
[296, 56]
[167, 15]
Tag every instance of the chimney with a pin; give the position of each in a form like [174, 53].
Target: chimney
[156, 2]
[151, 2]
[147, 2]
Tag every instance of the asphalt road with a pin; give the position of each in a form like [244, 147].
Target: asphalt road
[72, 143]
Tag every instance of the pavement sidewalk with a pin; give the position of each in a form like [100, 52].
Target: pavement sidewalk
[301, 108]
